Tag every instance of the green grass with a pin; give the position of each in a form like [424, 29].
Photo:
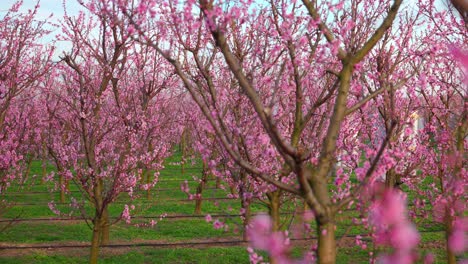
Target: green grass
[149, 255]
[165, 230]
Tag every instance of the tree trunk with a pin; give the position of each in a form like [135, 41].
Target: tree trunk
[143, 174]
[232, 189]
[246, 206]
[198, 205]
[392, 179]
[326, 250]
[326, 247]
[105, 227]
[44, 169]
[274, 209]
[148, 182]
[183, 150]
[28, 167]
[44, 161]
[63, 183]
[25, 177]
[94, 254]
[182, 166]
[100, 214]
[450, 255]
[201, 185]
[62, 188]
[147, 174]
[274, 212]
[218, 182]
[448, 231]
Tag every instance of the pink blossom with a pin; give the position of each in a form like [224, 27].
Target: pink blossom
[262, 237]
[218, 224]
[391, 209]
[396, 258]
[393, 228]
[242, 211]
[404, 236]
[208, 218]
[309, 215]
[439, 209]
[142, 8]
[461, 56]
[324, 232]
[53, 208]
[126, 214]
[458, 241]
[185, 187]
[428, 259]
[254, 257]
[131, 30]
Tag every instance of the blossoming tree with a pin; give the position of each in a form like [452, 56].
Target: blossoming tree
[108, 117]
[23, 62]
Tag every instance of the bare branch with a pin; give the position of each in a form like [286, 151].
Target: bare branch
[378, 34]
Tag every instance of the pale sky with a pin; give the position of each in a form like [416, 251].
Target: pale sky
[47, 7]
[55, 7]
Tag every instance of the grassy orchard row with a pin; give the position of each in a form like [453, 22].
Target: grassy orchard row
[78, 231]
[166, 230]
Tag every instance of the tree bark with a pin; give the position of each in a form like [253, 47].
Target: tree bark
[201, 185]
[274, 209]
[94, 254]
[63, 183]
[392, 179]
[98, 221]
[198, 205]
[183, 149]
[44, 169]
[274, 212]
[245, 205]
[28, 167]
[326, 250]
[105, 227]
[460, 135]
[62, 188]
[148, 182]
[28, 170]
[218, 183]
[451, 259]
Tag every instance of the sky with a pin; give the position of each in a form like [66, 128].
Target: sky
[47, 8]
[55, 7]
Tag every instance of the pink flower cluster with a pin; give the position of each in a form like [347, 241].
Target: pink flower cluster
[458, 241]
[462, 57]
[126, 213]
[261, 237]
[388, 215]
[185, 187]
